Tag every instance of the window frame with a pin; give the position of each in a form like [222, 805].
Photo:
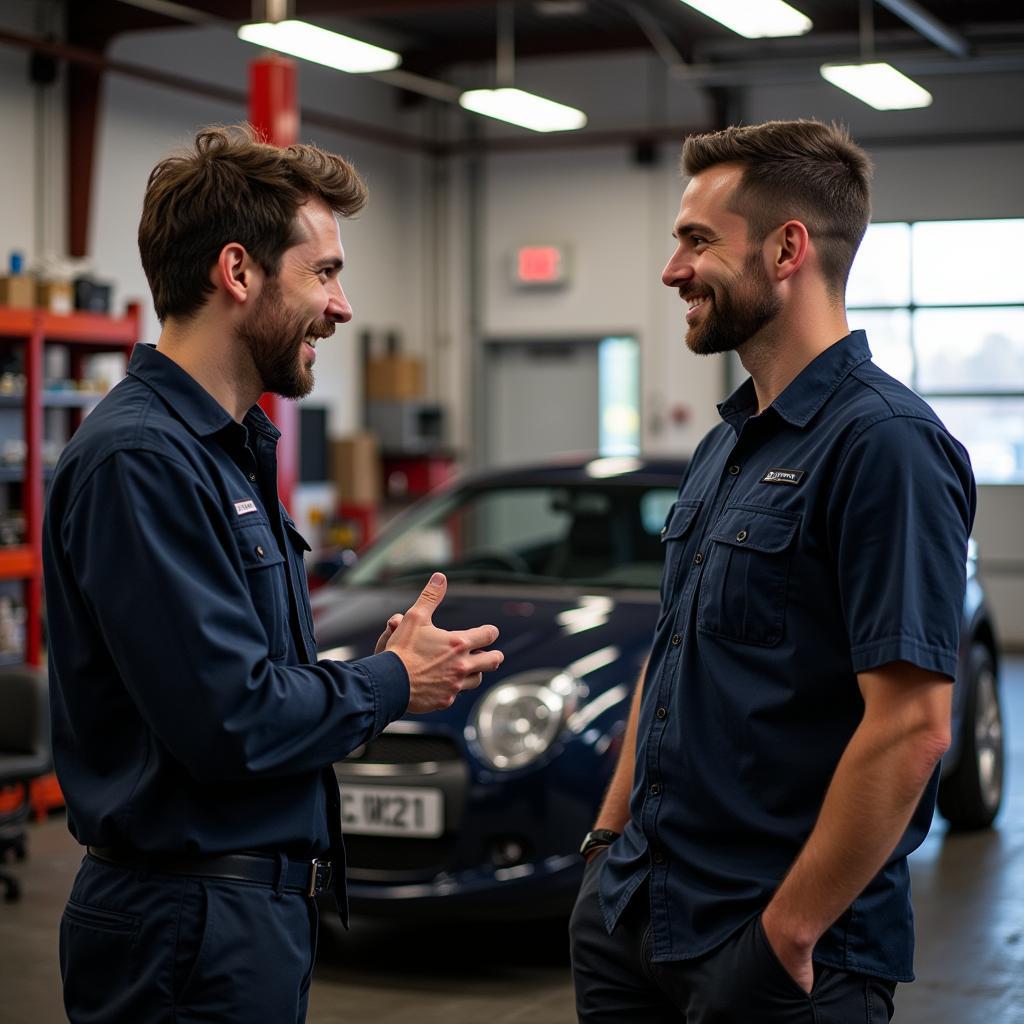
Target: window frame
[912, 306]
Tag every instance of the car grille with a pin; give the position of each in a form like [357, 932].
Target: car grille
[413, 759]
[385, 859]
[405, 749]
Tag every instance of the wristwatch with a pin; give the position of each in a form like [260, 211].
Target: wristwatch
[596, 839]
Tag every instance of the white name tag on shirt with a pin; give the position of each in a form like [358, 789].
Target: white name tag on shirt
[244, 507]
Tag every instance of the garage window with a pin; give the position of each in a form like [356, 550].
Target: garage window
[943, 305]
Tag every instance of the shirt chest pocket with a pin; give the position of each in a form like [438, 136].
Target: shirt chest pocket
[746, 576]
[678, 527]
[264, 567]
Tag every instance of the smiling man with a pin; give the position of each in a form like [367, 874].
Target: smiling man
[749, 864]
[193, 728]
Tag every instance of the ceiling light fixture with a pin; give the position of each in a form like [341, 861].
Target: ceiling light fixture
[516, 106]
[524, 109]
[312, 43]
[755, 19]
[872, 81]
[878, 84]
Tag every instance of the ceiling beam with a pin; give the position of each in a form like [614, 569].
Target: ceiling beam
[929, 26]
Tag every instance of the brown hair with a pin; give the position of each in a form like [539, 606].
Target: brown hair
[801, 170]
[231, 187]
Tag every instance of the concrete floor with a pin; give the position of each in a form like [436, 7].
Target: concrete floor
[968, 892]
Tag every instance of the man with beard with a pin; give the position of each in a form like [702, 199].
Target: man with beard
[193, 727]
[780, 759]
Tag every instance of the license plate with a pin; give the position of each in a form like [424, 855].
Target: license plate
[388, 811]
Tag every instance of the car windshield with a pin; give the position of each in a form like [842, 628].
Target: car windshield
[598, 534]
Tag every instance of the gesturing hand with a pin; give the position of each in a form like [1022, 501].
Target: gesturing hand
[440, 663]
[389, 629]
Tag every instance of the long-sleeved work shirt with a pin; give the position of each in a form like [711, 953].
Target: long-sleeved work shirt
[189, 713]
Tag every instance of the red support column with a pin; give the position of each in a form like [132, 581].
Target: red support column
[274, 113]
[32, 488]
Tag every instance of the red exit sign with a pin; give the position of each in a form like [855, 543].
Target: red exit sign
[540, 265]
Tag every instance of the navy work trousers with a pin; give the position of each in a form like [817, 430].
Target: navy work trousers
[139, 947]
[740, 982]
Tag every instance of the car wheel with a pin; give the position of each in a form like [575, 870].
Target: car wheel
[969, 797]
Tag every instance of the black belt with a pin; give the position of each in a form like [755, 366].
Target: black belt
[311, 878]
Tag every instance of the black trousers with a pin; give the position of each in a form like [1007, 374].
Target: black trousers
[740, 982]
[140, 948]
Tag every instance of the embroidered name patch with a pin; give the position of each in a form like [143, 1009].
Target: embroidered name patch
[784, 476]
[244, 507]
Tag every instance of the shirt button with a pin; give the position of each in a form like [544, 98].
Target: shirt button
[260, 553]
[661, 713]
[742, 536]
[656, 789]
[252, 477]
[698, 558]
[676, 640]
[659, 857]
[734, 470]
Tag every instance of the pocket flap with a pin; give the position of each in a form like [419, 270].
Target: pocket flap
[681, 517]
[257, 546]
[757, 528]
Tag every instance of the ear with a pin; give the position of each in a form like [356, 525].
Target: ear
[235, 273]
[790, 247]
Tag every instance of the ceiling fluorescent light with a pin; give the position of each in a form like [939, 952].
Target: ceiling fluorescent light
[524, 109]
[333, 50]
[755, 19]
[879, 85]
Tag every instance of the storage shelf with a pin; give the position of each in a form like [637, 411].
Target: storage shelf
[68, 399]
[94, 330]
[84, 334]
[17, 563]
[15, 474]
[55, 398]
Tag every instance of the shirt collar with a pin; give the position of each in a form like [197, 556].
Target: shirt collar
[192, 403]
[808, 391]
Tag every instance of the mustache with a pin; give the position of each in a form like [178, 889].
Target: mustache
[321, 329]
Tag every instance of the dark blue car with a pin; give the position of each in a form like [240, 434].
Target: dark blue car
[479, 810]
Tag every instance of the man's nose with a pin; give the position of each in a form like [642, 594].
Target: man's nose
[677, 271]
[338, 308]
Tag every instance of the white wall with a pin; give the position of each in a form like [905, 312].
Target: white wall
[142, 123]
[615, 217]
[410, 260]
[33, 156]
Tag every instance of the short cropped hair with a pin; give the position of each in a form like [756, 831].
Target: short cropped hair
[231, 187]
[795, 170]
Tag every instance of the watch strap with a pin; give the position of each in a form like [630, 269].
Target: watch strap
[597, 838]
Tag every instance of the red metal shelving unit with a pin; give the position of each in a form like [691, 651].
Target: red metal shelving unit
[84, 334]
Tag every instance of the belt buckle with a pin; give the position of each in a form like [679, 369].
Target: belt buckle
[320, 875]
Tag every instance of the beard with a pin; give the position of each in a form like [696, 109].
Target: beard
[274, 335]
[737, 311]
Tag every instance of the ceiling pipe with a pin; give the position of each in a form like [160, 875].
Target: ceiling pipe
[929, 26]
[180, 12]
[656, 36]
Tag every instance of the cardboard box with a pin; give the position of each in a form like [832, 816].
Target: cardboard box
[394, 378]
[55, 296]
[18, 291]
[355, 469]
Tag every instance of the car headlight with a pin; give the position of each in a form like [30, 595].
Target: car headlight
[518, 721]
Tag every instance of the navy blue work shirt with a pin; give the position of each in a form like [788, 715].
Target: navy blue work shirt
[824, 537]
[189, 713]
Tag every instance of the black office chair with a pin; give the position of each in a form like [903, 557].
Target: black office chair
[24, 756]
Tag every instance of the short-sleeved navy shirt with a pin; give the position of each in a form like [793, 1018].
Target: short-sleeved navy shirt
[824, 537]
[189, 713]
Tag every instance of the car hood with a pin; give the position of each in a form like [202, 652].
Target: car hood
[600, 636]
